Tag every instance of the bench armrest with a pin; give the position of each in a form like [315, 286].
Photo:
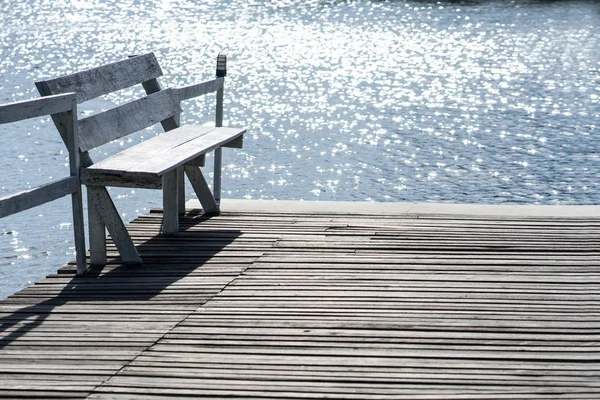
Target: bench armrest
[198, 89]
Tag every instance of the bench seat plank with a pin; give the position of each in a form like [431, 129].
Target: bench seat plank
[148, 161]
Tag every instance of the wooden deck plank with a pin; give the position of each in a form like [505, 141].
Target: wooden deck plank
[298, 305]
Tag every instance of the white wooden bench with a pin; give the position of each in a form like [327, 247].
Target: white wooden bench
[26, 199]
[160, 162]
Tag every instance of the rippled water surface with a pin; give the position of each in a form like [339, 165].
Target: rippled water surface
[477, 102]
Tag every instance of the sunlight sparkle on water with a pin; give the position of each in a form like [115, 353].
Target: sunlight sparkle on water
[487, 102]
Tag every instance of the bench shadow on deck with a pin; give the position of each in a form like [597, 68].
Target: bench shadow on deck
[168, 261]
[322, 304]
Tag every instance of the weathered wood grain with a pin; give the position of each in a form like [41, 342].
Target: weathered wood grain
[72, 136]
[65, 105]
[34, 197]
[165, 152]
[199, 89]
[170, 221]
[100, 200]
[201, 189]
[121, 121]
[95, 177]
[152, 86]
[218, 161]
[222, 310]
[148, 165]
[26, 109]
[105, 79]
[97, 232]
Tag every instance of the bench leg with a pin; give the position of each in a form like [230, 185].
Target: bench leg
[79, 230]
[180, 191]
[202, 190]
[170, 223]
[99, 200]
[217, 176]
[97, 232]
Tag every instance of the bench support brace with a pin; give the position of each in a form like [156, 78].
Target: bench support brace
[102, 213]
[202, 190]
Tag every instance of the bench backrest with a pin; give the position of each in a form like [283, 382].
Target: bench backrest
[115, 123]
[158, 106]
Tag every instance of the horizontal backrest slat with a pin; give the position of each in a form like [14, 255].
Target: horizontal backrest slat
[113, 124]
[37, 196]
[102, 80]
[35, 108]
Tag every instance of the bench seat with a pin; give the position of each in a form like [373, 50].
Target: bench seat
[144, 164]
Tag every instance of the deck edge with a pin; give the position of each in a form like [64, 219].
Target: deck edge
[408, 209]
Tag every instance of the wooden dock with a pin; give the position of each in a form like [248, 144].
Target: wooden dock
[302, 302]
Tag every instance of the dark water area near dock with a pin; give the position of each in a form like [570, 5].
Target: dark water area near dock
[492, 102]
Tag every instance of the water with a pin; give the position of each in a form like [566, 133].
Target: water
[475, 102]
